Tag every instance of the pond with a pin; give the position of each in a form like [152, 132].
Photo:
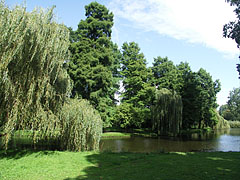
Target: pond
[222, 140]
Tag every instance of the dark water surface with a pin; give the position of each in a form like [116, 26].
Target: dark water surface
[222, 140]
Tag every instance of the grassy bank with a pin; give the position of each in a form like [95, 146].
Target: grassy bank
[17, 165]
[117, 132]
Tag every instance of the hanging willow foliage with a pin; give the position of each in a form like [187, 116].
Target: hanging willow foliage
[81, 126]
[34, 86]
[33, 83]
[167, 112]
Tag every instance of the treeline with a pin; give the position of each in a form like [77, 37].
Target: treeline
[98, 68]
[63, 87]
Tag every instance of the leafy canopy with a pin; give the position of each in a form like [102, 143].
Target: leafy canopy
[91, 65]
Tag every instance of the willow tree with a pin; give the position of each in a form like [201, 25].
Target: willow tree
[81, 126]
[33, 82]
[167, 112]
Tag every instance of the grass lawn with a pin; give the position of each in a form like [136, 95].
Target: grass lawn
[41, 165]
[115, 134]
[111, 133]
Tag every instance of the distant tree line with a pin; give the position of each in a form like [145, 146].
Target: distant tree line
[98, 67]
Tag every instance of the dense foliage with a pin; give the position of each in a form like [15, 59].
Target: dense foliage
[231, 110]
[97, 66]
[165, 74]
[232, 29]
[138, 92]
[199, 99]
[197, 90]
[34, 84]
[167, 112]
[92, 60]
[81, 126]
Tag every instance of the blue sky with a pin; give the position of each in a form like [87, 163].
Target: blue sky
[186, 30]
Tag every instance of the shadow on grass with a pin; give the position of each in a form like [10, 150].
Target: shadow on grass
[162, 166]
[18, 154]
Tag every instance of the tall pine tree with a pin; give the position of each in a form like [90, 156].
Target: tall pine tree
[138, 92]
[92, 60]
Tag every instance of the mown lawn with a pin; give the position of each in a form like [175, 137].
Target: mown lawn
[49, 165]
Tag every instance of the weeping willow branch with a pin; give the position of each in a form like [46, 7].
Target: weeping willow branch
[81, 126]
[167, 112]
[33, 48]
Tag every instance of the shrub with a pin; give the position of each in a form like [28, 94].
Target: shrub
[81, 126]
[221, 122]
[234, 124]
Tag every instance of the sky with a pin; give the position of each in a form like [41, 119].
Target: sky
[184, 31]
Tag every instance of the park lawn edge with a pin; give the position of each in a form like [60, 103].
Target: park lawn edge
[66, 165]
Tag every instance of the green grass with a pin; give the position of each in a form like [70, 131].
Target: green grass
[115, 134]
[28, 165]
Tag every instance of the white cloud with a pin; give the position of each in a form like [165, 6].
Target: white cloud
[196, 21]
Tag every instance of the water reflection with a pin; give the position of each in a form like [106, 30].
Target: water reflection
[224, 140]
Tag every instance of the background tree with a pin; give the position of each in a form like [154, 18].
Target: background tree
[138, 92]
[207, 97]
[225, 112]
[165, 74]
[92, 60]
[167, 112]
[199, 98]
[231, 111]
[232, 29]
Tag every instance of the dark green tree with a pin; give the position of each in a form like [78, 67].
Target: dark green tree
[233, 104]
[138, 91]
[165, 74]
[198, 92]
[91, 65]
[232, 29]
[167, 112]
[199, 99]
[188, 92]
[208, 90]
[225, 112]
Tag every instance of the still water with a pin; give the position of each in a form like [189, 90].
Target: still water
[223, 140]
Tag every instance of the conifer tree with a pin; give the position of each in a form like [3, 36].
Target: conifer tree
[138, 92]
[92, 60]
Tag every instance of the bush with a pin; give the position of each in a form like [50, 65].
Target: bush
[81, 126]
[221, 123]
[234, 124]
